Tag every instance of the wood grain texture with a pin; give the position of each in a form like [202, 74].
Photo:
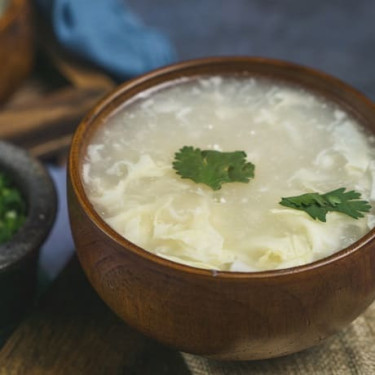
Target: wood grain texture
[73, 332]
[221, 315]
[16, 46]
[45, 125]
[45, 110]
[350, 352]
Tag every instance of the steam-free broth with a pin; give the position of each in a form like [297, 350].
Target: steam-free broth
[298, 142]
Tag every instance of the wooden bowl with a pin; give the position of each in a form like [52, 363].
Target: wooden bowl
[16, 46]
[223, 315]
[18, 257]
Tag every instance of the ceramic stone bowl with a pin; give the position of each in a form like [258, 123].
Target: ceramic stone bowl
[18, 257]
[222, 315]
[16, 45]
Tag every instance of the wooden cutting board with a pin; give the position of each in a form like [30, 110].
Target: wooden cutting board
[44, 112]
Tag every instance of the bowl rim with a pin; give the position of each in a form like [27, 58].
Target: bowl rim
[75, 163]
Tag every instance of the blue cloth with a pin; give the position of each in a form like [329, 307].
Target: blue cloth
[108, 34]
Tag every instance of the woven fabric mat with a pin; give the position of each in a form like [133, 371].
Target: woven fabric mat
[351, 351]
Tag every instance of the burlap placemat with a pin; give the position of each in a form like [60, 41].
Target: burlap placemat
[351, 351]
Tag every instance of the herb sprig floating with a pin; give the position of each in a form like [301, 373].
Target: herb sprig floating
[12, 209]
[318, 205]
[212, 167]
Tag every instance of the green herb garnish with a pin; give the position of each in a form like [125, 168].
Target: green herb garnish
[12, 209]
[318, 205]
[211, 167]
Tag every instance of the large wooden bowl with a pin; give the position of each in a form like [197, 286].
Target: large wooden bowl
[16, 46]
[222, 315]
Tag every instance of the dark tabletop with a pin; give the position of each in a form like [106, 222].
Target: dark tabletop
[336, 36]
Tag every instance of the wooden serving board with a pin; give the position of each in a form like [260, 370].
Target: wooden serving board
[44, 112]
[73, 332]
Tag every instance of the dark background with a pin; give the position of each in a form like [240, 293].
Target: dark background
[335, 36]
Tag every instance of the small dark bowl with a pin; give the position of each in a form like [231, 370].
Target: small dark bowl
[224, 315]
[18, 257]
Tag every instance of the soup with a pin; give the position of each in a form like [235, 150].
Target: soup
[298, 142]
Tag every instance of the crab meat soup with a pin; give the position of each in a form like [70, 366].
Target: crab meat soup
[298, 142]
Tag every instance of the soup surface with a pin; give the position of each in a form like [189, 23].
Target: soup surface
[297, 141]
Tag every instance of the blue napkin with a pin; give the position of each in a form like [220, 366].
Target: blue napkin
[108, 34]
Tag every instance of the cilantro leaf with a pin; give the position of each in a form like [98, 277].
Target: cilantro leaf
[12, 209]
[318, 205]
[211, 167]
